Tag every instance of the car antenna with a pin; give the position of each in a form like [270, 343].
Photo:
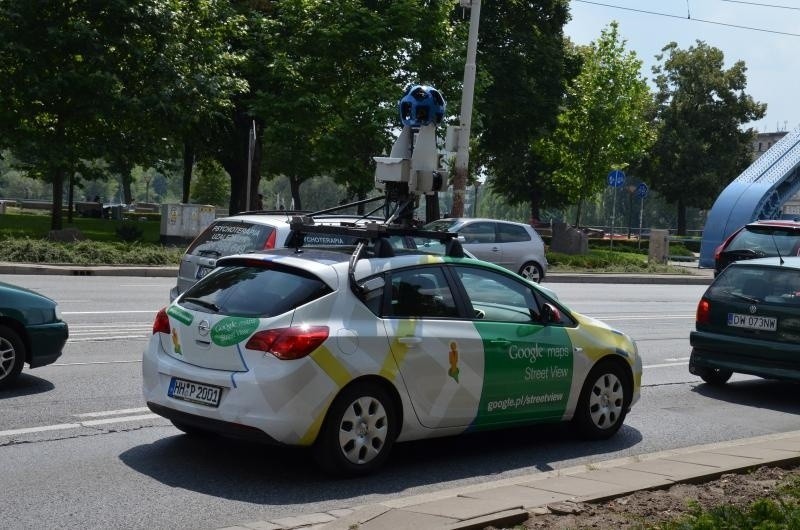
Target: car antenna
[778, 250]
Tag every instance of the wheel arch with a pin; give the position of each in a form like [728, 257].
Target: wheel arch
[17, 327]
[387, 385]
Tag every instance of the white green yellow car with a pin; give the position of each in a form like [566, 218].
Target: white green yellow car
[319, 348]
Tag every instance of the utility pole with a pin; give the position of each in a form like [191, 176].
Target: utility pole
[462, 155]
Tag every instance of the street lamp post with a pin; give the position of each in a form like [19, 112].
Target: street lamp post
[462, 155]
[631, 191]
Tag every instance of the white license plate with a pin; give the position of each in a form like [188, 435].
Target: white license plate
[202, 271]
[752, 322]
[194, 392]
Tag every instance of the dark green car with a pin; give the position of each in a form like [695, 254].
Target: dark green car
[31, 331]
[748, 321]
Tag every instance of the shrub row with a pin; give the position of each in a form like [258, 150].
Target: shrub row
[27, 250]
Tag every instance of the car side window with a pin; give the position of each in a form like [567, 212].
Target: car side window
[497, 297]
[421, 292]
[480, 232]
[508, 233]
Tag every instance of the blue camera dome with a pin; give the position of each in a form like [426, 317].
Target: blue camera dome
[421, 105]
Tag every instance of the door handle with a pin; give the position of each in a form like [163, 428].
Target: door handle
[500, 342]
[409, 341]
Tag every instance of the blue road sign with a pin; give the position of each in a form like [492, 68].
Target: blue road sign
[616, 178]
[641, 190]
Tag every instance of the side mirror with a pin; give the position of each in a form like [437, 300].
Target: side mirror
[550, 314]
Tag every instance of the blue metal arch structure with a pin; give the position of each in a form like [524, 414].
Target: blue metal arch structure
[758, 193]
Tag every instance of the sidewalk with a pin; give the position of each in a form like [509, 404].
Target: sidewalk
[509, 502]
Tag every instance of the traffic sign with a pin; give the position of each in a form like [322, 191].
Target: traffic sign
[616, 178]
[641, 190]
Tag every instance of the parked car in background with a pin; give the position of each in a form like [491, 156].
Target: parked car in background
[243, 233]
[748, 321]
[347, 352]
[759, 239]
[31, 331]
[515, 246]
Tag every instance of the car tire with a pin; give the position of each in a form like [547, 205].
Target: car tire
[716, 376]
[603, 402]
[12, 356]
[358, 432]
[531, 271]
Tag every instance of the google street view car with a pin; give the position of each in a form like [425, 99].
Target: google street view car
[347, 351]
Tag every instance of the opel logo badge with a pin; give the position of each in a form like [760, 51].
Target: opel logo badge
[203, 327]
[753, 310]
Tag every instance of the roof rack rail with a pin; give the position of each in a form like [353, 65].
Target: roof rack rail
[275, 212]
[377, 233]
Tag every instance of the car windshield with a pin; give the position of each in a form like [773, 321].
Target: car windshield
[766, 241]
[758, 284]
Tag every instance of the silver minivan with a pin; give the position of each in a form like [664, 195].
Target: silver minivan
[515, 246]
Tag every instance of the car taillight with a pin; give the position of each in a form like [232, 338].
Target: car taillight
[289, 343]
[270, 243]
[161, 323]
[703, 312]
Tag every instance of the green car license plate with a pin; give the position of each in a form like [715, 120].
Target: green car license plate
[738, 320]
[194, 392]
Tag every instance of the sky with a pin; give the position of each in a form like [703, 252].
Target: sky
[770, 51]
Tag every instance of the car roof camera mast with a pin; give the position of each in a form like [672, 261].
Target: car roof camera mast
[412, 168]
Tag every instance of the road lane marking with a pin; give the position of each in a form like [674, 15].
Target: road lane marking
[87, 423]
[108, 337]
[96, 362]
[664, 365]
[151, 311]
[111, 413]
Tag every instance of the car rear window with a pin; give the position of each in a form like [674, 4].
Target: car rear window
[254, 291]
[766, 241]
[508, 233]
[223, 238]
[758, 284]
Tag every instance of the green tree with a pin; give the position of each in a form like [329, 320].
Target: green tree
[604, 124]
[212, 185]
[523, 67]
[701, 145]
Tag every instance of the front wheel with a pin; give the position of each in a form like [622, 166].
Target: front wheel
[12, 355]
[359, 431]
[531, 271]
[603, 403]
[716, 376]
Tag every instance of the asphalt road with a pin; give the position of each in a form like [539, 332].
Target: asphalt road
[78, 449]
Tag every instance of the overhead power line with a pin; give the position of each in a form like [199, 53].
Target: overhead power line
[668, 15]
[761, 5]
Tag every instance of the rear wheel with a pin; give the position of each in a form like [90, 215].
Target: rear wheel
[12, 355]
[531, 271]
[358, 432]
[604, 402]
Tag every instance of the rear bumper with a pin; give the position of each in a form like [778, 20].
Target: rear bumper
[225, 428]
[761, 358]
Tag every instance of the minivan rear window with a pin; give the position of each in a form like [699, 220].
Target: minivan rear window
[223, 238]
[248, 291]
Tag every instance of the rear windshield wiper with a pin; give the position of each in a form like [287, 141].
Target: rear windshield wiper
[215, 253]
[742, 296]
[202, 303]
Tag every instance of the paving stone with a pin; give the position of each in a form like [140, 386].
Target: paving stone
[460, 508]
[672, 469]
[262, 525]
[763, 454]
[400, 520]
[723, 463]
[505, 519]
[630, 480]
[519, 495]
[577, 487]
[341, 512]
[786, 444]
[358, 518]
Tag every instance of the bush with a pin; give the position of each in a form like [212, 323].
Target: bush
[27, 250]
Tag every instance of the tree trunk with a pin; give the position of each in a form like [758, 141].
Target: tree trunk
[126, 184]
[681, 218]
[294, 187]
[536, 206]
[235, 162]
[56, 218]
[70, 197]
[578, 213]
[188, 164]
